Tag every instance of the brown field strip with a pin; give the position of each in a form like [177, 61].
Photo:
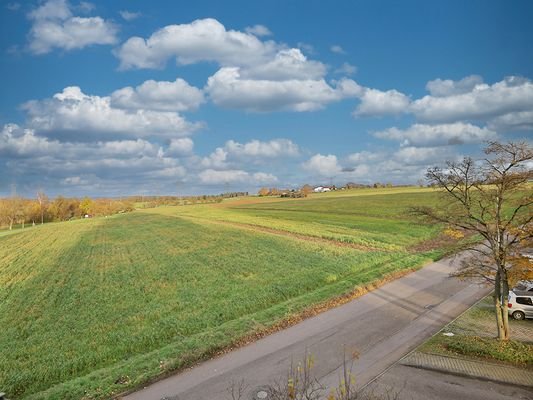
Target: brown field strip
[279, 232]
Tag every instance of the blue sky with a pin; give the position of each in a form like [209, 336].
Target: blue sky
[130, 97]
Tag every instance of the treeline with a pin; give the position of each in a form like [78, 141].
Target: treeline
[17, 210]
[156, 201]
[306, 189]
[21, 211]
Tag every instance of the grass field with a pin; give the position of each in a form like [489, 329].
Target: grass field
[90, 308]
[475, 337]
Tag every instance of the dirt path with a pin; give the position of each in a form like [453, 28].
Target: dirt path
[279, 232]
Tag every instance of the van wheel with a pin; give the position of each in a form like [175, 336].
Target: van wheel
[519, 315]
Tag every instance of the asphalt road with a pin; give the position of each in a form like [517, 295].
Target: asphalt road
[381, 326]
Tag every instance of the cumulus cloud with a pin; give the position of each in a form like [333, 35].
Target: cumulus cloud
[375, 102]
[254, 75]
[217, 159]
[19, 142]
[475, 101]
[363, 157]
[54, 26]
[75, 113]
[117, 164]
[180, 147]
[513, 121]
[104, 166]
[255, 151]
[216, 177]
[201, 40]
[258, 30]
[24, 142]
[422, 155]
[129, 15]
[448, 87]
[346, 69]
[227, 88]
[325, 166]
[438, 135]
[286, 64]
[256, 148]
[159, 95]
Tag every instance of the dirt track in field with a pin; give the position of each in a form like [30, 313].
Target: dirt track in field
[278, 232]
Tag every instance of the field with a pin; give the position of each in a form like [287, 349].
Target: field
[90, 308]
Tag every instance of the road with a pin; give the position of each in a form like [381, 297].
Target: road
[381, 326]
[419, 384]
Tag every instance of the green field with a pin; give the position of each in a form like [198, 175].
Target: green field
[91, 308]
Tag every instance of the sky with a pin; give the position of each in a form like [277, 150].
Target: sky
[124, 97]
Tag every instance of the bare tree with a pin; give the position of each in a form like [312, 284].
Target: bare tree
[42, 199]
[491, 198]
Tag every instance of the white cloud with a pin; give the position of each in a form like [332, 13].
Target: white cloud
[54, 26]
[201, 40]
[255, 151]
[482, 102]
[364, 157]
[16, 141]
[258, 30]
[76, 113]
[23, 142]
[325, 166]
[346, 69]
[375, 102]
[308, 48]
[337, 49]
[74, 180]
[438, 135]
[227, 88]
[286, 64]
[514, 121]
[129, 15]
[447, 87]
[86, 7]
[422, 155]
[256, 148]
[215, 177]
[159, 95]
[180, 147]
[217, 159]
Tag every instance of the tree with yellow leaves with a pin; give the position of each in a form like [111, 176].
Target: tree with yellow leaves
[493, 199]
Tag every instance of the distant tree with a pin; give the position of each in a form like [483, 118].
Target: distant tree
[306, 189]
[11, 211]
[63, 209]
[3, 213]
[22, 210]
[493, 199]
[34, 211]
[86, 206]
[263, 192]
[43, 201]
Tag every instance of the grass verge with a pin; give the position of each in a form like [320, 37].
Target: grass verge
[474, 336]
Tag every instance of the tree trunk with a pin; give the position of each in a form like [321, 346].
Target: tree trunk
[501, 295]
[505, 306]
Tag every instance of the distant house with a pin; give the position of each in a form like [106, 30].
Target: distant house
[321, 189]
